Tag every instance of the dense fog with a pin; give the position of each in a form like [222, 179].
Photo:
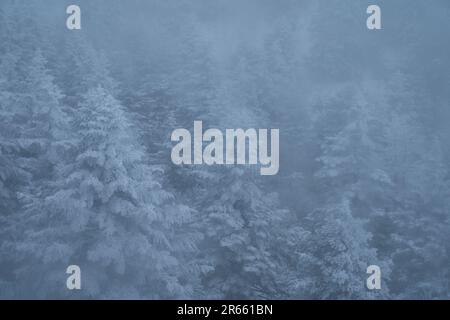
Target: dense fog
[86, 176]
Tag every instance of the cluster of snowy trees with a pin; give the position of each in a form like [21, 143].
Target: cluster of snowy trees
[86, 176]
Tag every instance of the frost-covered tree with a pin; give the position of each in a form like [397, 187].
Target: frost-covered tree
[414, 200]
[110, 215]
[350, 177]
[96, 198]
[338, 254]
[34, 121]
[248, 236]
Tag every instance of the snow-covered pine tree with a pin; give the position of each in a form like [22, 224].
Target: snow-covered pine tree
[410, 228]
[15, 59]
[349, 177]
[31, 118]
[37, 133]
[109, 214]
[108, 209]
[248, 237]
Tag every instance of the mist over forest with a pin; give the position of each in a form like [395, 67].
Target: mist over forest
[86, 176]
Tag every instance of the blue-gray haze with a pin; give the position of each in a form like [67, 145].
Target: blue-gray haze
[86, 176]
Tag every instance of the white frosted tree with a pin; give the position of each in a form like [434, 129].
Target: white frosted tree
[411, 228]
[248, 236]
[339, 253]
[350, 176]
[97, 197]
[110, 215]
[33, 140]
